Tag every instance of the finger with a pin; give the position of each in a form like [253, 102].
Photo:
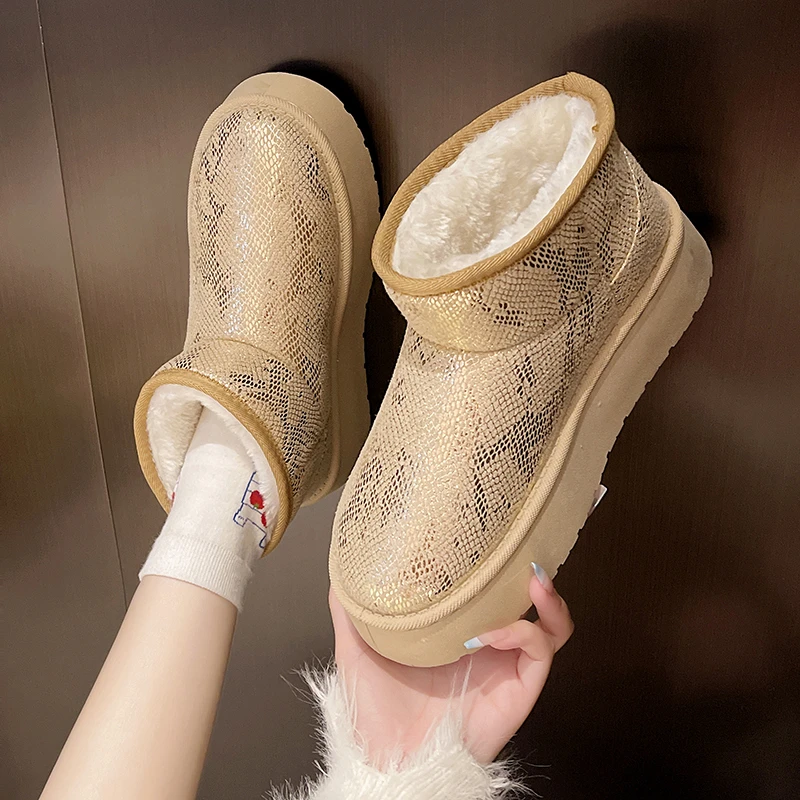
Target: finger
[529, 637]
[554, 617]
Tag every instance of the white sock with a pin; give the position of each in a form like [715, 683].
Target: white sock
[223, 513]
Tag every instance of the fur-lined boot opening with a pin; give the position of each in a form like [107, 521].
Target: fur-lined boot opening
[501, 185]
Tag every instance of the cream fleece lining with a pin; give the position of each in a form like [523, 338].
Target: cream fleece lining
[172, 417]
[498, 189]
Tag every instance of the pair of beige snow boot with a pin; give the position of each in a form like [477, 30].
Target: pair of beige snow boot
[544, 278]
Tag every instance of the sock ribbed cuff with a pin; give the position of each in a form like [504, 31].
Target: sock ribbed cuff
[200, 562]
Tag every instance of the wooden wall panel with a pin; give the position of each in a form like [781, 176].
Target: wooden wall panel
[682, 677]
[61, 596]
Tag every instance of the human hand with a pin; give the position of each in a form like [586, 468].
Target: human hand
[397, 706]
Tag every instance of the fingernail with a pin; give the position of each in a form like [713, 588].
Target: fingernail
[473, 644]
[542, 576]
[598, 496]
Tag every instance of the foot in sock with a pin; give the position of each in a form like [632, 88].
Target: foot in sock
[223, 513]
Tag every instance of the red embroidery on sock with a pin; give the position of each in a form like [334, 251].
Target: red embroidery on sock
[256, 500]
[263, 519]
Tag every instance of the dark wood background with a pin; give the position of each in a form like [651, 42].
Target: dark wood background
[683, 678]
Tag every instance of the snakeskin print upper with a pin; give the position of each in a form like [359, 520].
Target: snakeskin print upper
[264, 242]
[483, 379]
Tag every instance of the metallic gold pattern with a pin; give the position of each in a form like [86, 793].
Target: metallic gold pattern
[264, 242]
[482, 382]
[598, 240]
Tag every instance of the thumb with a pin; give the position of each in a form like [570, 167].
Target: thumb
[343, 628]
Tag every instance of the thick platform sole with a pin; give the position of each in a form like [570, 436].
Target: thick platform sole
[350, 408]
[556, 509]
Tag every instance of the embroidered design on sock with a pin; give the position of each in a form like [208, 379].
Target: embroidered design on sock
[252, 510]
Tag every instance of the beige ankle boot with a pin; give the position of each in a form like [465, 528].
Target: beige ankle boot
[544, 279]
[282, 207]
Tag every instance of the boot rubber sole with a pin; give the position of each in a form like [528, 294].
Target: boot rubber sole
[547, 526]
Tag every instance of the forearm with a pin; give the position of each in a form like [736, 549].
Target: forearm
[144, 730]
[145, 727]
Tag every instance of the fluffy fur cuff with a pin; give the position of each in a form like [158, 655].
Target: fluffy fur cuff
[442, 769]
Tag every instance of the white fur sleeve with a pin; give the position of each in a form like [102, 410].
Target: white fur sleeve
[442, 769]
